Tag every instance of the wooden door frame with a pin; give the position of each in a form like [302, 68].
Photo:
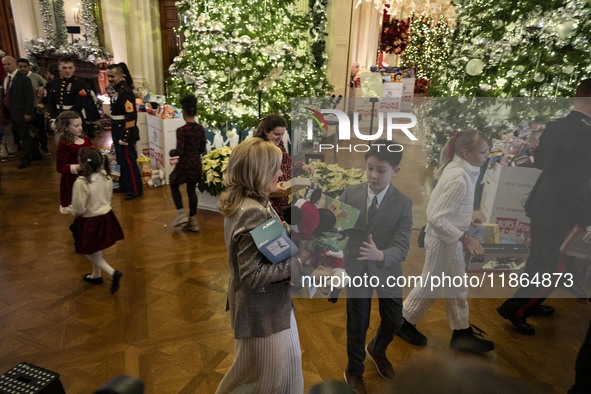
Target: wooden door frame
[164, 27]
[8, 39]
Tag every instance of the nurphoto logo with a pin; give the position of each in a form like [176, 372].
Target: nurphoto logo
[393, 121]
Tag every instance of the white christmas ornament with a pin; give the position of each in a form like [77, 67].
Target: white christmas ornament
[474, 67]
[568, 69]
[216, 28]
[497, 24]
[219, 49]
[245, 40]
[566, 29]
[539, 77]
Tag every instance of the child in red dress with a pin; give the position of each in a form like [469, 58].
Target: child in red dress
[95, 225]
[69, 140]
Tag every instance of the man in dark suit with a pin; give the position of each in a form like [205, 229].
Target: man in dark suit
[376, 249]
[560, 199]
[19, 98]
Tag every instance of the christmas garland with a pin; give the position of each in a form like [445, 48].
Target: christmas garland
[56, 40]
[394, 36]
[61, 33]
[48, 20]
[89, 20]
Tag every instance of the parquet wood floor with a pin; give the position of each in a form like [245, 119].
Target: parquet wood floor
[167, 324]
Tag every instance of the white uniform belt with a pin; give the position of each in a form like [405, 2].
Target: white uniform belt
[66, 107]
[118, 117]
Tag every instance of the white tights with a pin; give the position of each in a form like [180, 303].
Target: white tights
[98, 264]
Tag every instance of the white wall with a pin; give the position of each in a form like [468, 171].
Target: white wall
[337, 44]
[132, 35]
[27, 23]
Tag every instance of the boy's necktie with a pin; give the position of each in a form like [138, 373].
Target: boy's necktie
[373, 209]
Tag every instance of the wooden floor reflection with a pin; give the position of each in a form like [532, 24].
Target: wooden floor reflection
[167, 324]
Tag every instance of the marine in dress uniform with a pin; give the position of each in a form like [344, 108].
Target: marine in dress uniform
[68, 93]
[125, 133]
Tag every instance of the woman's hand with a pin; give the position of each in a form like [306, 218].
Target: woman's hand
[280, 191]
[307, 168]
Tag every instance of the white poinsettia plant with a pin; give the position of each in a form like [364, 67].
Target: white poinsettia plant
[333, 179]
[214, 166]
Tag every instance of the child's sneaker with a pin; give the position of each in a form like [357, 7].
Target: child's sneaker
[191, 225]
[179, 219]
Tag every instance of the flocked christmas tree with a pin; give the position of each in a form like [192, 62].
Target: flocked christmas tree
[505, 49]
[235, 48]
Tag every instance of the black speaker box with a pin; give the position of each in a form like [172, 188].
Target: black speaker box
[26, 378]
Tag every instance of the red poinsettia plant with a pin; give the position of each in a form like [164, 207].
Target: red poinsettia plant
[394, 37]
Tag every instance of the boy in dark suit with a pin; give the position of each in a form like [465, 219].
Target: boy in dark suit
[376, 250]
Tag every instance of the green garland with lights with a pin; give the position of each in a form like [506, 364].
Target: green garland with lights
[231, 46]
[509, 49]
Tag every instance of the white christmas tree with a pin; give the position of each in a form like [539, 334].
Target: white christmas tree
[236, 49]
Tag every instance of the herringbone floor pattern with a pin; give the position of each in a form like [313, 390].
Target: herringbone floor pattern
[167, 324]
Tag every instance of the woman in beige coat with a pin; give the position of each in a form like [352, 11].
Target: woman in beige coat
[267, 355]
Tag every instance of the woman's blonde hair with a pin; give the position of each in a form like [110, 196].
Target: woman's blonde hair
[253, 165]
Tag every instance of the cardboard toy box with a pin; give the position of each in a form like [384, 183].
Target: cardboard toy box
[143, 145]
[162, 138]
[505, 191]
[498, 257]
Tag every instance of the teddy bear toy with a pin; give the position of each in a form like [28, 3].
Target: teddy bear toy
[157, 179]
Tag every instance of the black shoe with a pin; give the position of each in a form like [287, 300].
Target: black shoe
[23, 164]
[410, 334]
[471, 340]
[115, 282]
[119, 190]
[519, 322]
[133, 196]
[95, 281]
[542, 310]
